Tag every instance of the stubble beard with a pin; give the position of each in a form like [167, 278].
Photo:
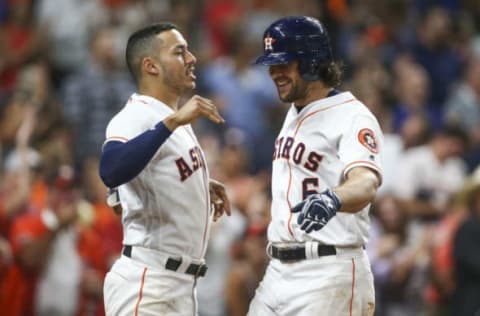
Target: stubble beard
[298, 92]
[177, 82]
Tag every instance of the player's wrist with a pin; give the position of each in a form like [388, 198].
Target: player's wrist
[337, 202]
[171, 122]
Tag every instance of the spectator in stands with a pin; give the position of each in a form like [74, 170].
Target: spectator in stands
[467, 257]
[463, 108]
[16, 185]
[20, 40]
[105, 222]
[94, 94]
[428, 175]
[58, 267]
[223, 234]
[67, 35]
[246, 272]
[412, 91]
[244, 95]
[33, 88]
[463, 105]
[19, 174]
[416, 131]
[433, 49]
[442, 267]
[397, 250]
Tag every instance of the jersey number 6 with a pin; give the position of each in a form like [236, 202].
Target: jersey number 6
[308, 187]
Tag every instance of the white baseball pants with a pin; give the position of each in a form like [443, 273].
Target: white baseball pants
[340, 284]
[131, 288]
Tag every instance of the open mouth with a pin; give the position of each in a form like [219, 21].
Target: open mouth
[283, 85]
[190, 73]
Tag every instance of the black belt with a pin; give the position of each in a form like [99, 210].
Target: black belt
[298, 253]
[198, 270]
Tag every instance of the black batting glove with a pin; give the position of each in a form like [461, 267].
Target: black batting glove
[316, 210]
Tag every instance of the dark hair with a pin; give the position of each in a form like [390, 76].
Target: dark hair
[331, 74]
[140, 43]
[454, 131]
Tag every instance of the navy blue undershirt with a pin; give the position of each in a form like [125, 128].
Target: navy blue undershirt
[331, 93]
[121, 162]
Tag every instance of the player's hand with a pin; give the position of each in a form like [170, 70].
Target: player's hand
[194, 108]
[219, 199]
[316, 210]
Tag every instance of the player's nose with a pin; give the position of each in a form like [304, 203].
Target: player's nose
[190, 58]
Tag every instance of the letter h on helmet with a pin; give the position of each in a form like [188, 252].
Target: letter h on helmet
[297, 38]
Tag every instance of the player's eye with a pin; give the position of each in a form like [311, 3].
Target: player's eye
[179, 51]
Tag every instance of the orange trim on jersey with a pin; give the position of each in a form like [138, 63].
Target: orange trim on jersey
[288, 161]
[288, 200]
[141, 291]
[362, 162]
[320, 110]
[120, 138]
[353, 286]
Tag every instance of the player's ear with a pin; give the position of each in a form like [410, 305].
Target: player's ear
[150, 66]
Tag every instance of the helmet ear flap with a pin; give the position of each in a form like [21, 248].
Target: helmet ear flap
[309, 69]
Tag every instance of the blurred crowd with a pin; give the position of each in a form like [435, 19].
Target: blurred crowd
[414, 63]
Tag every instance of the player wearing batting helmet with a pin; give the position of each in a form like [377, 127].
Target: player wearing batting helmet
[326, 171]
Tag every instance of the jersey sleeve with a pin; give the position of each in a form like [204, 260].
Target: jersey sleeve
[126, 125]
[361, 145]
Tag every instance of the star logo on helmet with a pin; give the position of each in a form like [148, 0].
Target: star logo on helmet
[268, 42]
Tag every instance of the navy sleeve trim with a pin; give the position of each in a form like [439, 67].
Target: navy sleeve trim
[121, 162]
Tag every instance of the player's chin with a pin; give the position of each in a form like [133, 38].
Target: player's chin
[190, 85]
[284, 96]
[283, 92]
[192, 80]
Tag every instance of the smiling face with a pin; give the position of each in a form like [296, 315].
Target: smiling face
[175, 61]
[290, 86]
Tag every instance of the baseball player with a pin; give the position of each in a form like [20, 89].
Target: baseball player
[153, 158]
[326, 171]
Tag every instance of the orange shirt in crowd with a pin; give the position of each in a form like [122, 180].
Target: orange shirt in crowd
[17, 290]
[109, 226]
[18, 287]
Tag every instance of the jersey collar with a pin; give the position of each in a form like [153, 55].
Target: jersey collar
[326, 102]
[156, 104]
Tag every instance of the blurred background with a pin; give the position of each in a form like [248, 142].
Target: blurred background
[414, 63]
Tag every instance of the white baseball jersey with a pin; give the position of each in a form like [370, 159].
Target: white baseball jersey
[167, 206]
[314, 151]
